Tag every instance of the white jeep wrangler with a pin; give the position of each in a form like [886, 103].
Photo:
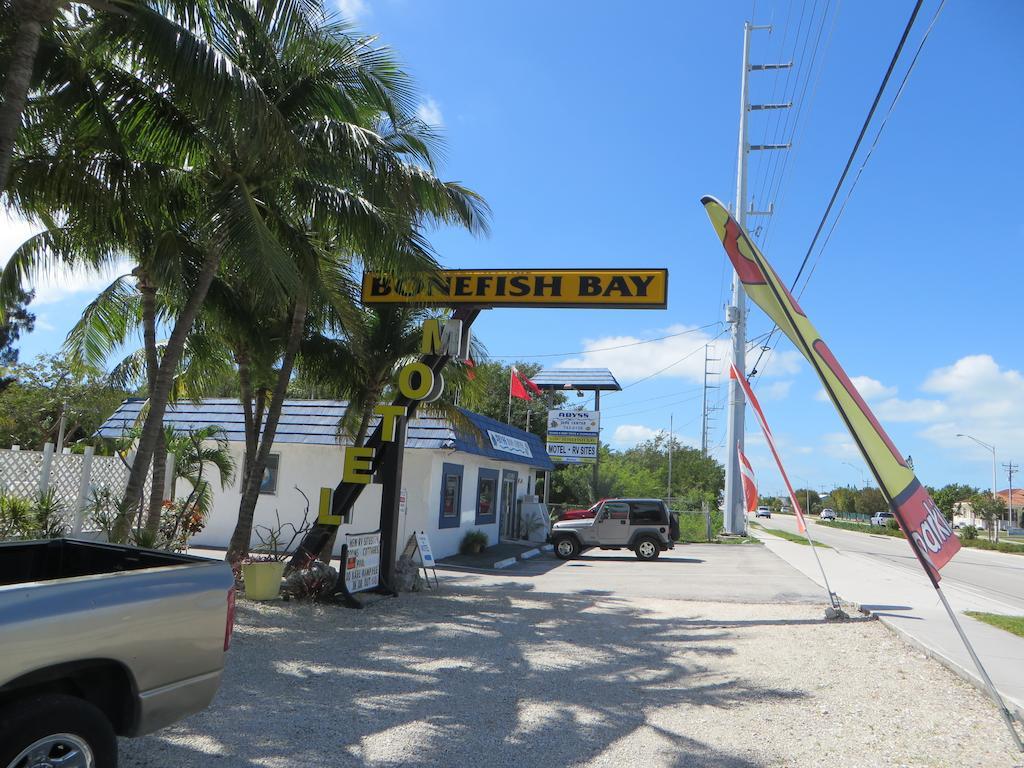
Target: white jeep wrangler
[645, 526]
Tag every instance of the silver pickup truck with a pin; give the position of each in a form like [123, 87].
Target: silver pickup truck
[101, 640]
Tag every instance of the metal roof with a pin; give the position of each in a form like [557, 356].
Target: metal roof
[576, 378]
[315, 422]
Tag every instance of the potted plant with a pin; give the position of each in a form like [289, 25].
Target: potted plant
[473, 543]
[263, 570]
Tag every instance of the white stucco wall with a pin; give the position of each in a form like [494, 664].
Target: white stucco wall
[312, 467]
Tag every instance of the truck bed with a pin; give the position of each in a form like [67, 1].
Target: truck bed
[30, 561]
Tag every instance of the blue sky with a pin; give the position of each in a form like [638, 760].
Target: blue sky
[594, 128]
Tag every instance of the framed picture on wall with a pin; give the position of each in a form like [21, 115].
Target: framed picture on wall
[268, 483]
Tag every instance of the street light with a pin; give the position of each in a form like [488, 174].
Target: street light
[993, 449]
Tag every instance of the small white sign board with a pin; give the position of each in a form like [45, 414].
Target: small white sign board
[426, 555]
[362, 566]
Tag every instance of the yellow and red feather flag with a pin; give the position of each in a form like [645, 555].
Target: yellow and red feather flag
[930, 535]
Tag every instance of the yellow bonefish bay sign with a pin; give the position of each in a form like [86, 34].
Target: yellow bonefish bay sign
[604, 288]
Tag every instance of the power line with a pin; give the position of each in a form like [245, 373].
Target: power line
[860, 137]
[853, 153]
[606, 349]
[874, 145]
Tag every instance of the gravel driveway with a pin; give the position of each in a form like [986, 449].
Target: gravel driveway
[508, 676]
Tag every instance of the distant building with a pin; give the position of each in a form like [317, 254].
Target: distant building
[454, 481]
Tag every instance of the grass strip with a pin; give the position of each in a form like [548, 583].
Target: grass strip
[1014, 624]
[794, 537]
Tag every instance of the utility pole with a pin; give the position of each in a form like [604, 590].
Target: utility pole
[671, 437]
[705, 413]
[1011, 470]
[736, 313]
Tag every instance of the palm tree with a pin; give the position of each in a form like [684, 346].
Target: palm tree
[358, 191]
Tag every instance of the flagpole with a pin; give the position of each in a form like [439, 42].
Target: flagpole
[508, 416]
[985, 679]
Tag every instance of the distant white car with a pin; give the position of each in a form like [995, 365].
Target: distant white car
[763, 512]
[827, 514]
[882, 518]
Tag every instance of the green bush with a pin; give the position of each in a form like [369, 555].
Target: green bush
[892, 525]
[473, 542]
[968, 533]
[693, 526]
[43, 518]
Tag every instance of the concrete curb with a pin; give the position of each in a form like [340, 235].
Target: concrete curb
[969, 675]
[529, 553]
[505, 563]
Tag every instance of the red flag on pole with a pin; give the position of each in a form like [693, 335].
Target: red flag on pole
[749, 484]
[756, 407]
[529, 384]
[516, 388]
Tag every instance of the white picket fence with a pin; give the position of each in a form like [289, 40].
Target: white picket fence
[81, 483]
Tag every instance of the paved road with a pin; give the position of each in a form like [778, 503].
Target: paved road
[747, 573]
[994, 575]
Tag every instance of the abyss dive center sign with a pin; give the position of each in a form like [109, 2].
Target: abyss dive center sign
[604, 288]
[573, 436]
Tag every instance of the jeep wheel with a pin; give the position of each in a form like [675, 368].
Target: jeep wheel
[647, 549]
[566, 547]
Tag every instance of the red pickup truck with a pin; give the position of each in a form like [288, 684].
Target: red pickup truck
[580, 514]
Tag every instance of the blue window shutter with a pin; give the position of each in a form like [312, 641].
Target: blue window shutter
[449, 513]
[487, 509]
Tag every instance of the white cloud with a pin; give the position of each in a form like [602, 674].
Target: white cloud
[680, 357]
[870, 389]
[980, 399]
[918, 409]
[973, 396]
[430, 112]
[777, 390]
[628, 435]
[43, 323]
[840, 445]
[353, 10]
[54, 287]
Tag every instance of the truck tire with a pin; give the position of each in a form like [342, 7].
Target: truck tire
[37, 730]
[647, 548]
[566, 547]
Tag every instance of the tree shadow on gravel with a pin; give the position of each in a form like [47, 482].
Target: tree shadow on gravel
[468, 676]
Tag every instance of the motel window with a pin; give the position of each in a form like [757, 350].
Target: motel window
[268, 483]
[486, 496]
[450, 515]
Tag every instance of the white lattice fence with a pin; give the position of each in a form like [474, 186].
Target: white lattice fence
[23, 474]
[19, 472]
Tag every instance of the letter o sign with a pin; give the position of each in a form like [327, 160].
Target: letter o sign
[415, 380]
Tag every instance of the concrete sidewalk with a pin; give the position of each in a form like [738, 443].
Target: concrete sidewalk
[905, 601]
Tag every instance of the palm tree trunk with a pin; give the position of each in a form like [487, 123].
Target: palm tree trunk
[238, 547]
[152, 428]
[156, 496]
[31, 15]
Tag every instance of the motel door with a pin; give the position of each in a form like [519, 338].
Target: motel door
[510, 522]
